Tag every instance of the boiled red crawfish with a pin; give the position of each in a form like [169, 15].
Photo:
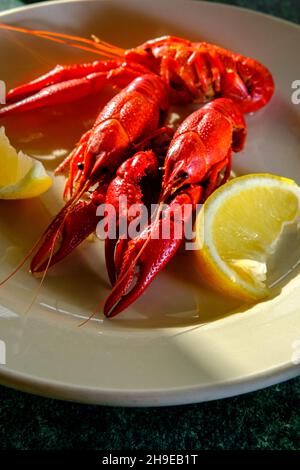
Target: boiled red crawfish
[159, 73]
[94, 162]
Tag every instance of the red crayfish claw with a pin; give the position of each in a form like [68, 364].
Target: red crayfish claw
[74, 223]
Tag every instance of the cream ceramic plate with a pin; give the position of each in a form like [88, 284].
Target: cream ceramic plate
[178, 343]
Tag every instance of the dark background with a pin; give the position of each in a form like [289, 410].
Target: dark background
[268, 419]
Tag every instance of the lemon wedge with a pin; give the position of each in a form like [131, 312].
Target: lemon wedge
[240, 227]
[21, 177]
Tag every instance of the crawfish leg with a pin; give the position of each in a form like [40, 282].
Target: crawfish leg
[65, 165]
[75, 164]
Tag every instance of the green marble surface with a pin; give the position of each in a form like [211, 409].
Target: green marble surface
[268, 419]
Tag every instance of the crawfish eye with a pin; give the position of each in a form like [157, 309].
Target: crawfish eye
[80, 166]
